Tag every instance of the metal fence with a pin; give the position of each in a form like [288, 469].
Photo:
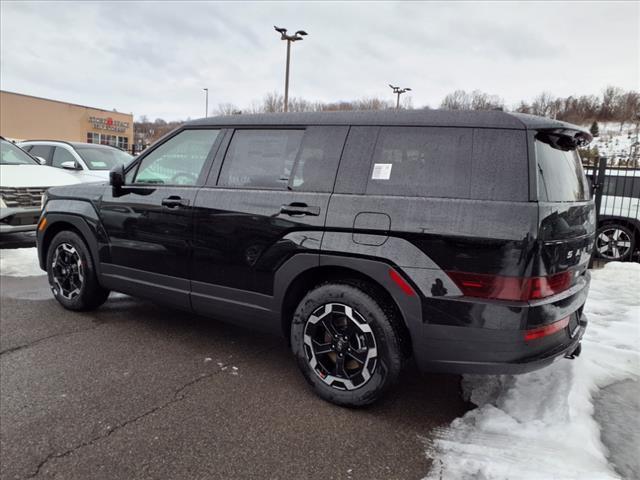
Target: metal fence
[617, 199]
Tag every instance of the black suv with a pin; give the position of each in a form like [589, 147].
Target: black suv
[458, 239]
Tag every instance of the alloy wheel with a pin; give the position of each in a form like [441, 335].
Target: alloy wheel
[613, 243]
[67, 271]
[340, 346]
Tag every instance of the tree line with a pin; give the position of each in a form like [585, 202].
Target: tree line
[613, 105]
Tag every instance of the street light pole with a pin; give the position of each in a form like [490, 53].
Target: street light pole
[399, 91]
[206, 102]
[289, 38]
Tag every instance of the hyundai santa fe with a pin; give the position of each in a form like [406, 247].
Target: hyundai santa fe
[458, 240]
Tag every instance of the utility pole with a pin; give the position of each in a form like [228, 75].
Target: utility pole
[206, 102]
[399, 91]
[289, 38]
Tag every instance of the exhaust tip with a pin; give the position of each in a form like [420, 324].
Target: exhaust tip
[575, 353]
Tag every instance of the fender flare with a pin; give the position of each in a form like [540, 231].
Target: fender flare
[410, 306]
[83, 218]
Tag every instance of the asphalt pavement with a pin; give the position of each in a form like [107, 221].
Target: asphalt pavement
[140, 391]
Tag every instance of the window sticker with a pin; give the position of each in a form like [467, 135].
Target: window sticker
[381, 171]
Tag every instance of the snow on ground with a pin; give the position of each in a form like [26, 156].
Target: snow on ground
[613, 142]
[19, 262]
[616, 411]
[541, 425]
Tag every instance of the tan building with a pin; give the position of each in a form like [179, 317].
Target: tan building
[23, 117]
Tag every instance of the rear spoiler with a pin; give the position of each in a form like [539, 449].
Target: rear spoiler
[564, 138]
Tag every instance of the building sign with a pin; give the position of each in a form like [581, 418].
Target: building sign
[108, 124]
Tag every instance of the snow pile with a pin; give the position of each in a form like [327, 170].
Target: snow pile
[19, 262]
[540, 425]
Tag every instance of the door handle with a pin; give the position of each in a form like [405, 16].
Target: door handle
[300, 209]
[175, 202]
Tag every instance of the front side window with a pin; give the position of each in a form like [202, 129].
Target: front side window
[422, 161]
[61, 155]
[560, 174]
[260, 158]
[12, 155]
[178, 161]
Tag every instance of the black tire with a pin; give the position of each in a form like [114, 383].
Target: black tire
[382, 371]
[74, 286]
[615, 242]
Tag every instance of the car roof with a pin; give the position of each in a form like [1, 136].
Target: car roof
[436, 118]
[71, 144]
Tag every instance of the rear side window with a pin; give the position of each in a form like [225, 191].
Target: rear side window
[260, 158]
[42, 151]
[560, 174]
[316, 164]
[422, 161]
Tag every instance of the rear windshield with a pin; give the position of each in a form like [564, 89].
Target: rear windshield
[560, 174]
[103, 158]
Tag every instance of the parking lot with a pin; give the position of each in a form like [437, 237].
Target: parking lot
[136, 390]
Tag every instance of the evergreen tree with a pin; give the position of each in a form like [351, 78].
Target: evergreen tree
[595, 130]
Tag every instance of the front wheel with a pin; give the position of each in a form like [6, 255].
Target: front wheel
[72, 274]
[347, 344]
[614, 242]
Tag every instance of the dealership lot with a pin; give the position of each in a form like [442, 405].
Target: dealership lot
[135, 390]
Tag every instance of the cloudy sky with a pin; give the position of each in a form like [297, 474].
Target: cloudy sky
[154, 58]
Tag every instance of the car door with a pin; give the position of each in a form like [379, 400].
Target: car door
[268, 203]
[149, 221]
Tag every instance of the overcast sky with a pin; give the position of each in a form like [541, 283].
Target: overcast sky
[154, 58]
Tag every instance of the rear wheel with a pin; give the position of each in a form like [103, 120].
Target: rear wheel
[72, 275]
[614, 242]
[346, 344]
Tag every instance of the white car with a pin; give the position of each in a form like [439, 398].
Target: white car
[618, 233]
[89, 162]
[23, 182]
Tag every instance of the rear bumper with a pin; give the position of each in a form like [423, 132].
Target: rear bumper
[467, 336]
[19, 219]
[523, 365]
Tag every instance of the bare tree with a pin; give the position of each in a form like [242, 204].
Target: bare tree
[458, 100]
[484, 101]
[227, 109]
[407, 103]
[609, 101]
[543, 105]
[273, 102]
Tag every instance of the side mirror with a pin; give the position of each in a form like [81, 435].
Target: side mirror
[116, 176]
[41, 160]
[70, 165]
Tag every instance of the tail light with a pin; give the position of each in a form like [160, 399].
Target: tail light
[511, 288]
[546, 330]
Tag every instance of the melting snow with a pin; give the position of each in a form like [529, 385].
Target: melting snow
[541, 425]
[19, 262]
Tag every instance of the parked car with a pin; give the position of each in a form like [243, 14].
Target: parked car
[460, 239]
[618, 235]
[23, 182]
[90, 162]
